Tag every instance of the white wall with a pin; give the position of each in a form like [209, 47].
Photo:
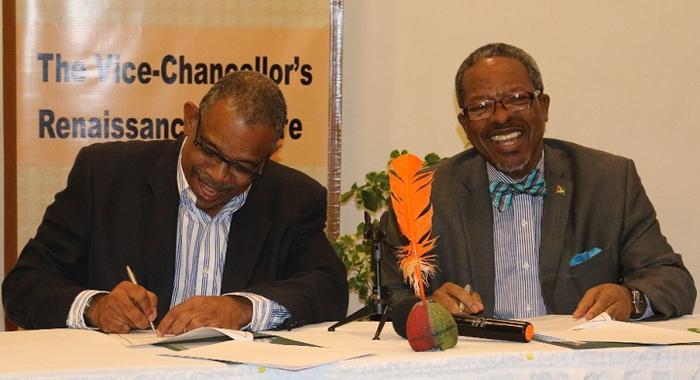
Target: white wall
[622, 75]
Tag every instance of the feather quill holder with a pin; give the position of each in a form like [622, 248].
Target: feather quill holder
[410, 199]
[429, 325]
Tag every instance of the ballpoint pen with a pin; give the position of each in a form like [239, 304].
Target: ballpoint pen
[132, 278]
[468, 289]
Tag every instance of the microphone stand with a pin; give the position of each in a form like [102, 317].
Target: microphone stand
[379, 303]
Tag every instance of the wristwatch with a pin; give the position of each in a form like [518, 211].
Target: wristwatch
[639, 303]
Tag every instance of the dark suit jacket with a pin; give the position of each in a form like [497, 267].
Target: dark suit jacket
[120, 208]
[604, 205]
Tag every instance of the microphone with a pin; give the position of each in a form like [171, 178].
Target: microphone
[469, 325]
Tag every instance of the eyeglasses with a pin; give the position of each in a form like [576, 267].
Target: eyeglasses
[235, 169]
[513, 102]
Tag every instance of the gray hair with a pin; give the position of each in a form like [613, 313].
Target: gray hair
[252, 96]
[498, 50]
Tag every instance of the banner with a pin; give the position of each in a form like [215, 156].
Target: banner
[97, 71]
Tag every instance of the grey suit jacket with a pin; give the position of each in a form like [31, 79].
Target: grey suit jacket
[603, 205]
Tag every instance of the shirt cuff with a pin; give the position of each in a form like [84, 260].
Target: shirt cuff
[76, 314]
[267, 314]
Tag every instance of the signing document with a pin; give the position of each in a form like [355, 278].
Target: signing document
[241, 348]
[146, 337]
[284, 356]
[563, 328]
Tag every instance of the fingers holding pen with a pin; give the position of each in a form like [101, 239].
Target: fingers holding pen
[472, 303]
[457, 299]
[146, 301]
[133, 302]
[125, 307]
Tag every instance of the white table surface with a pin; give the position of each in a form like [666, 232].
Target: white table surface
[64, 353]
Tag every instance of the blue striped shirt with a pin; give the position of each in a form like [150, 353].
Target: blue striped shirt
[201, 244]
[201, 254]
[199, 261]
[516, 243]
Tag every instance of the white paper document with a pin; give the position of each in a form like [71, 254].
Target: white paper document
[145, 337]
[562, 322]
[604, 329]
[600, 320]
[289, 357]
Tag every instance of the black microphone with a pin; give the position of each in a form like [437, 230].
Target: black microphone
[469, 325]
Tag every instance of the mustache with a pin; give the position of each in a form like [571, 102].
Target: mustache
[207, 180]
[505, 125]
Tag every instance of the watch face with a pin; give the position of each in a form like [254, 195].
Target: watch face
[635, 300]
[638, 303]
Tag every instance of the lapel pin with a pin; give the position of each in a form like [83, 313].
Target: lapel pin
[560, 190]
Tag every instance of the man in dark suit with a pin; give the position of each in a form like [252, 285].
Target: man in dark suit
[217, 234]
[540, 226]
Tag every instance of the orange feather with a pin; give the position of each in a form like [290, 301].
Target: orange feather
[410, 199]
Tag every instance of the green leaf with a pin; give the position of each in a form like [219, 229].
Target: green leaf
[432, 159]
[346, 196]
[371, 201]
[383, 183]
[371, 177]
[360, 229]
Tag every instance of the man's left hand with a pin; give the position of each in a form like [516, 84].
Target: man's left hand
[230, 312]
[614, 299]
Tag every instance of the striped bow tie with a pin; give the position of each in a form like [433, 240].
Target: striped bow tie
[502, 193]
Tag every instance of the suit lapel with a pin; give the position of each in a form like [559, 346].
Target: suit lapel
[249, 229]
[477, 222]
[557, 204]
[159, 213]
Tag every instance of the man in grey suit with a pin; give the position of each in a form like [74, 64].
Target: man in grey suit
[540, 226]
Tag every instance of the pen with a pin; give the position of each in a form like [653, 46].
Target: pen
[468, 289]
[132, 278]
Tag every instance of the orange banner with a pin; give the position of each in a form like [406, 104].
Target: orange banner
[116, 71]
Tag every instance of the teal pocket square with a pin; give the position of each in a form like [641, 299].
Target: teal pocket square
[582, 257]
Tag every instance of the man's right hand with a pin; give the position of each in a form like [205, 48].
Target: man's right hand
[451, 296]
[126, 307]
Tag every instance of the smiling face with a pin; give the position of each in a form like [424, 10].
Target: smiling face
[227, 156]
[511, 141]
